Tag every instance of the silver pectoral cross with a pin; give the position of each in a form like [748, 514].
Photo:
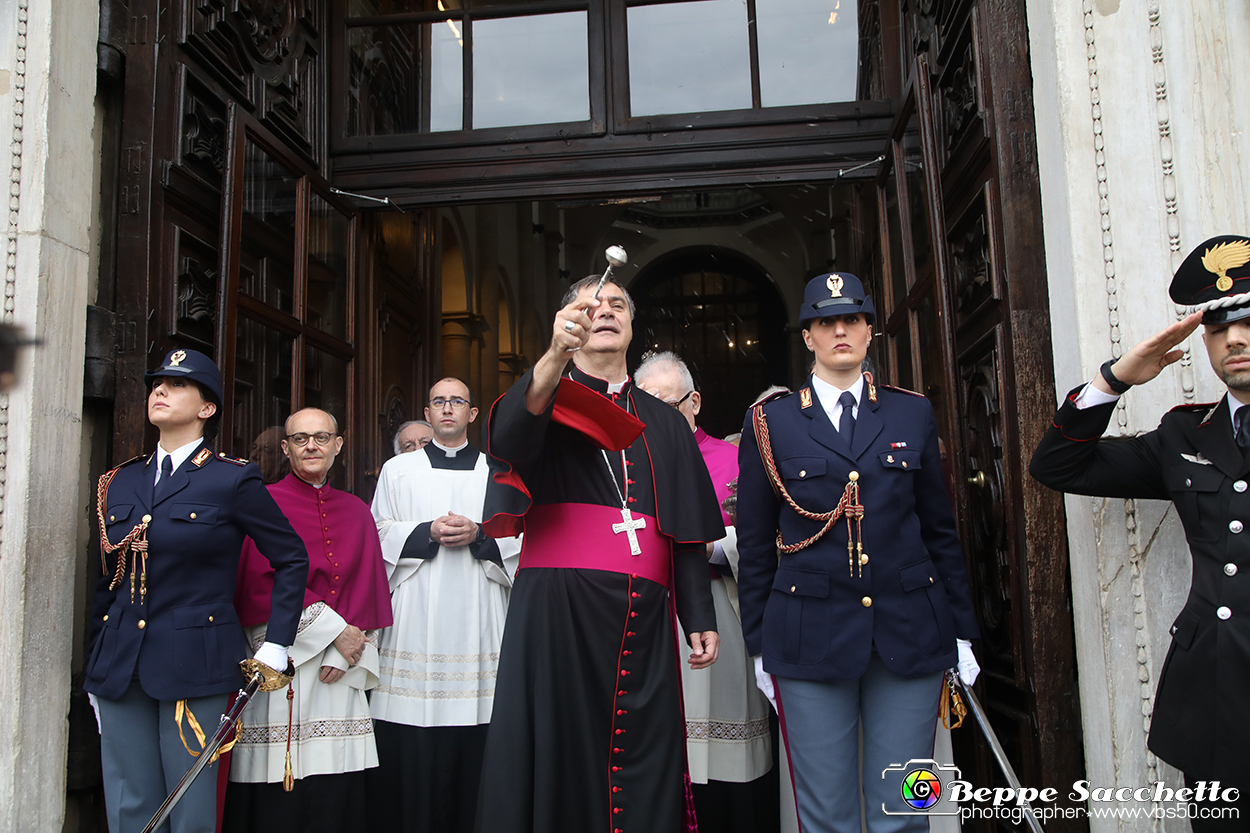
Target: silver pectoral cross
[627, 525]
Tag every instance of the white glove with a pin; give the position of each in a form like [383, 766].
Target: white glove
[967, 665]
[95, 707]
[274, 656]
[764, 682]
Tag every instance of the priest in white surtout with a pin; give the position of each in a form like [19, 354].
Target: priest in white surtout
[449, 584]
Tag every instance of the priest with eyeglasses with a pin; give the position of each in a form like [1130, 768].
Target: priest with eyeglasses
[450, 586]
[300, 759]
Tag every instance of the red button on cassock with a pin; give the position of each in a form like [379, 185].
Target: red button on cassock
[633, 614]
[623, 653]
[620, 731]
[616, 789]
[616, 809]
[616, 769]
[618, 751]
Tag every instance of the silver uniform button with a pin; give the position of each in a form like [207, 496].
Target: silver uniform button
[1235, 526]
[1239, 486]
[1230, 569]
[1224, 613]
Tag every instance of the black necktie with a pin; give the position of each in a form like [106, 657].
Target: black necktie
[1243, 428]
[167, 474]
[846, 423]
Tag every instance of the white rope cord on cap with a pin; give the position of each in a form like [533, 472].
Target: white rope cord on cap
[1218, 303]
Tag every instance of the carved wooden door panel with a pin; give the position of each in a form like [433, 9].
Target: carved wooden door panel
[197, 76]
[401, 334]
[967, 325]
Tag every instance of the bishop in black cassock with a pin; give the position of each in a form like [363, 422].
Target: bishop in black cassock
[587, 732]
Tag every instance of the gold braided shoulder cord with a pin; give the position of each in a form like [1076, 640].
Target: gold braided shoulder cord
[135, 542]
[848, 507]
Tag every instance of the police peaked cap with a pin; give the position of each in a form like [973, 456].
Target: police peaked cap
[1215, 279]
[835, 293]
[193, 365]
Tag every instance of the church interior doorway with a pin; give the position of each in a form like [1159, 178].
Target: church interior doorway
[716, 276]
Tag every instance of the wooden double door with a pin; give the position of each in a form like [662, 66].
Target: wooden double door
[951, 234]
[229, 235]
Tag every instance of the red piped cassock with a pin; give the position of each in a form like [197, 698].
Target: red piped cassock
[587, 731]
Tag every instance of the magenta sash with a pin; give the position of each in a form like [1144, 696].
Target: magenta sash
[579, 536]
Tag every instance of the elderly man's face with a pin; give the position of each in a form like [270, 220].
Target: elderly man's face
[415, 436]
[666, 385]
[310, 458]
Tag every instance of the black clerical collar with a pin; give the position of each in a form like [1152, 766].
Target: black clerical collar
[463, 458]
[599, 385]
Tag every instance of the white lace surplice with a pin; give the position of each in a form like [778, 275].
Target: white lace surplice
[439, 661]
[331, 728]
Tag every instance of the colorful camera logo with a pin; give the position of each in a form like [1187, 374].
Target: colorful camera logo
[923, 788]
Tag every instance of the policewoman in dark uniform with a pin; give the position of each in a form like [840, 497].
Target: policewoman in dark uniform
[1198, 458]
[166, 642]
[851, 579]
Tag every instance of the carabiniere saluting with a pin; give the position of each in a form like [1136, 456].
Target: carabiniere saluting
[1198, 458]
[166, 642]
[851, 576]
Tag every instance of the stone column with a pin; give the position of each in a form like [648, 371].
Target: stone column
[47, 92]
[1143, 153]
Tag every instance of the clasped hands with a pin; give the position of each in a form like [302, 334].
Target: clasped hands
[351, 644]
[452, 530]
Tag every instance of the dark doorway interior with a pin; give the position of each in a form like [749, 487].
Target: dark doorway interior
[725, 318]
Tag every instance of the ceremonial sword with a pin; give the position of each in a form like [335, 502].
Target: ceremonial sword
[1000, 756]
[228, 721]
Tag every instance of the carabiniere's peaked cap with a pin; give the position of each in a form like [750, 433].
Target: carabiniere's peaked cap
[193, 365]
[835, 293]
[1215, 279]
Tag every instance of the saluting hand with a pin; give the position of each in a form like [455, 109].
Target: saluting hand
[1147, 359]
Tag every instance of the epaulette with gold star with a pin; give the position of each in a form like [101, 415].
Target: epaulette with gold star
[903, 390]
[238, 461]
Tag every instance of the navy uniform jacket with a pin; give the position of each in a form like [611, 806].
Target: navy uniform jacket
[1192, 460]
[804, 611]
[184, 639]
